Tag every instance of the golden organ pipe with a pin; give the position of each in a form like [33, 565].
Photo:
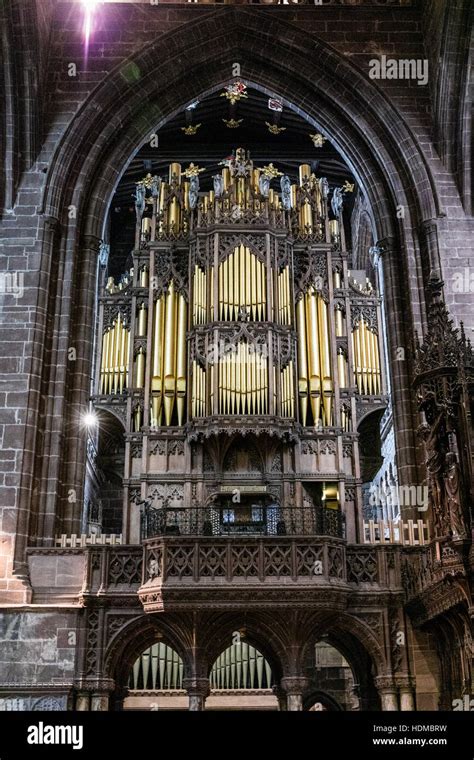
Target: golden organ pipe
[144, 276]
[140, 367]
[302, 359]
[170, 354]
[325, 354]
[341, 369]
[363, 349]
[103, 361]
[181, 359]
[123, 360]
[337, 279]
[157, 362]
[220, 273]
[243, 271]
[313, 354]
[339, 322]
[117, 343]
[226, 265]
[358, 357]
[370, 360]
[142, 320]
[110, 359]
[377, 364]
[334, 230]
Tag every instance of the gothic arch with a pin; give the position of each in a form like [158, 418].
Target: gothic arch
[134, 637]
[119, 116]
[351, 637]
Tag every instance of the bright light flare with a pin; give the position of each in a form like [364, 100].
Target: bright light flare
[90, 7]
[90, 420]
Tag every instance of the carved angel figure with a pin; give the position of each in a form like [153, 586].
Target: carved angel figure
[218, 181]
[193, 191]
[285, 185]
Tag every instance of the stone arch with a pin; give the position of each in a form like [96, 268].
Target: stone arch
[262, 631]
[135, 637]
[118, 117]
[352, 637]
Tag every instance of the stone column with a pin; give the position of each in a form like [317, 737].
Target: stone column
[281, 696]
[388, 693]
[407, 694]
[294, 688]
[83, 701]
[198, 690]
[100, 702]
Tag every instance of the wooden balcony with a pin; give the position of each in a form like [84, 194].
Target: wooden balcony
[182, 572]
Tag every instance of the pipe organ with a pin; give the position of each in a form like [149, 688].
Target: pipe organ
[241, 315]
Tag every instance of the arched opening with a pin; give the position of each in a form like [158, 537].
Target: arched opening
[103, 495]
[241, 678]
[156, 680]
[332, 683]
[376, 162]
[341, 667]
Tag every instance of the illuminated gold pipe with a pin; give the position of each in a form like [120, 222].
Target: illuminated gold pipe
[117, 344]
[377, 364]
[253, 389]
[293, 196]
[127, 358]
[302, 359]
[235, 282]
[181, 359]
[220, 274]
[370, 359]
[339, 322]
[210, 312]
[102, 362]
[325, 354]
[334, 231]
[225, 290]
[122, 360]
[142, 320]
[157, 359]
[358, 357]
[313, 354]
[253, 287]
[243, 376]
[337, 279]
[265, 385]
[243, 269]
[342, 369]
[144, 276]
[292, 390]
[193, 389]
[363, 354]
[288, 296]
[248, 299]
[226, 178]
[280, 310]
[170, 354]
[140, 369]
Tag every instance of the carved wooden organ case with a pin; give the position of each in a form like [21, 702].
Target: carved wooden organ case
[239, 350]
